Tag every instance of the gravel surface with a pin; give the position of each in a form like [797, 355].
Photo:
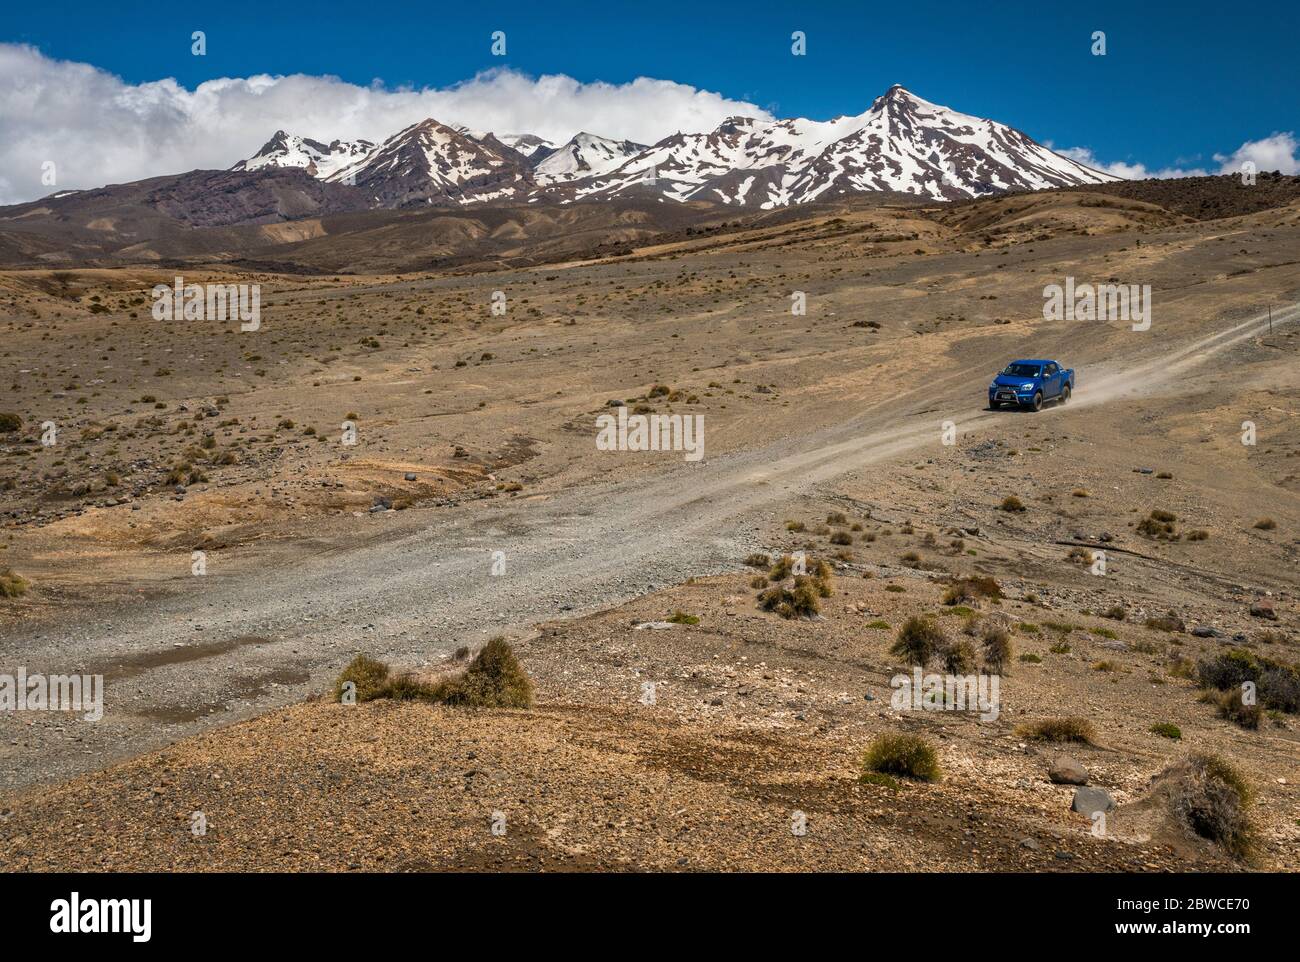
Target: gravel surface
[229, 647]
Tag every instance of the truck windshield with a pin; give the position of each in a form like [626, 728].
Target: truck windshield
[1021, 370]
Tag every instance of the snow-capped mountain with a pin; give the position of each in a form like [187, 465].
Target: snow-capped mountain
[901, 143]
[431, 163]
[531, 147]
[586, 155]
[319, 160]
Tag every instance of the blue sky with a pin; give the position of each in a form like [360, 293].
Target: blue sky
[1179, 83]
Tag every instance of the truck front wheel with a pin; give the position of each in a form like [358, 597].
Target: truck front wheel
[1065, 394]
[1037, 403]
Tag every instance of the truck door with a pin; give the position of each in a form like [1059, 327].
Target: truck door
[1051, 381]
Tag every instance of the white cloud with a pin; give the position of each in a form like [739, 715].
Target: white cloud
[1280, 152]
[1119, 168]
[98, 129]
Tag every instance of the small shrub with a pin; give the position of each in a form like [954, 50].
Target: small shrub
[972, 589]
[1105, 666]
[996, 644]
[1060, 648]
[682, 618]
[1214, 800]
[368, 676]
[494, 679]
[799, 601]
[758, 561]
[10, 422]
[959, 657]
[1167, 730]
[12, 585]
[1227, 669]
[841, 537]
[909, 756]
[783, 568]
[918, 641]
[1167, 622]
[878, 625]
[1279, 688]
[1012, 503]
[1231, 707]
[1158, 525]
[1029, 658]
[836, 517]
[1265, 524]
[1060, 730]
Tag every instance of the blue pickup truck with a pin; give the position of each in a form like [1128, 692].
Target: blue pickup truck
[1030, 383]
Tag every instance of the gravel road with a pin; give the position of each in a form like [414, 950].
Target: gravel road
[233, 645]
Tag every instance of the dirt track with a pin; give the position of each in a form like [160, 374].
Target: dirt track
[232, 645]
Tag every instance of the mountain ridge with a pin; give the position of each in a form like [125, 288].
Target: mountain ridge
[901, 143]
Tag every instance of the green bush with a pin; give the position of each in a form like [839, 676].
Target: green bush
[1277, 683]
[909, 756]
[494, 679]
[918, 641]
[369, 677]
[1167, 730]
[1060, 730]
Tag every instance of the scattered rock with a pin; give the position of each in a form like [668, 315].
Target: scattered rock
[1089, 801]
[1067, 771]
[1263, 609]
